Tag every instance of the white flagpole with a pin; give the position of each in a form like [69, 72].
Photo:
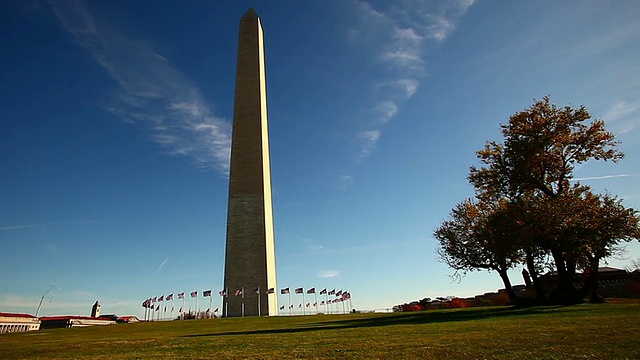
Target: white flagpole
[326, 300]
[259, 300]
[242, 290]
[210, 305]
[303, 304]
[290, 309]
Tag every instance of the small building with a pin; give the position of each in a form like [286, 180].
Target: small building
[71, 321]
[128, 319]
[121, 319]
[95, 310]
[11, 322]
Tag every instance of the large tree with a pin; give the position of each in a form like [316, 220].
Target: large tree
[530, 208]
[474, 238]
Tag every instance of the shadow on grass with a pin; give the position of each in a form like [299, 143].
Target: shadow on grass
[414, 318]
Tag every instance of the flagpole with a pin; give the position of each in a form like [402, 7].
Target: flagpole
[303, 304]
[242, 290]
[259, 300]
[210, 304]
[290, 309]
[197, 310]
[326, 300]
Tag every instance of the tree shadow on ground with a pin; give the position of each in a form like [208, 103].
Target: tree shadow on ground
[415, 318]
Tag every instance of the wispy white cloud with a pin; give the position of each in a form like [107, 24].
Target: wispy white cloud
[385, 110]
[400, 34]
[46, 224]
[369, 139]
[16, 227]
[151, 91]
[605, 177]
[162, 264]
[619, 110]
[328, 273]
[345, 181]
[620, 116]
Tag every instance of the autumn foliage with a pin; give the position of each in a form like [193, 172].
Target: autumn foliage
[528, 211]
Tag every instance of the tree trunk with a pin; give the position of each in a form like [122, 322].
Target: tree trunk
[515, 300]
[591, 282]
[565, 293]
[534, 277]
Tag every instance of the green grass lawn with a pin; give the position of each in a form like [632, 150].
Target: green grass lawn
[604, 331]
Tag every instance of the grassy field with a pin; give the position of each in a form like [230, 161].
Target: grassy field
[605, 331]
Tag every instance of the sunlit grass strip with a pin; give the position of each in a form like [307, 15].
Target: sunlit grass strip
[583, 331]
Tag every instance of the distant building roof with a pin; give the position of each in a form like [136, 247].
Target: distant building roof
[74, 317]
[3, 314]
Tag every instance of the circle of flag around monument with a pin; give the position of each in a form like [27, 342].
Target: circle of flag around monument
[325, 301]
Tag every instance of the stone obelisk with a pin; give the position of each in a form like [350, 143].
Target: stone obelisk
[250, 268]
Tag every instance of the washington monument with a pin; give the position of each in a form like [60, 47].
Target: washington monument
[250, 262]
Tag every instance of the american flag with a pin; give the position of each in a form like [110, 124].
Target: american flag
[194, 294]
[161, 298]
[339, 293]
[284, 291]
[323, 291]
[238, 292]
[181, 295]
[311, 291]
[299, 291]
[169, 297]
[256, 291]
[206, 293]
[222, 293]
[271, 291]
[282, 307]
[332, 292]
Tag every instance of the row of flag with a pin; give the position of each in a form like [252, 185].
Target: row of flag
[315, 304]
[313, 291]
[340, 295]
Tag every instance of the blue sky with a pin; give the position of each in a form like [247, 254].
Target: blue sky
[115, 135]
